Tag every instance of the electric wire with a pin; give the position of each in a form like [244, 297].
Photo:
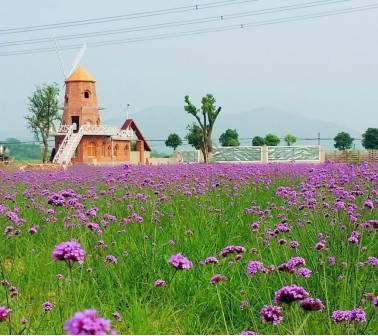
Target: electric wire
[175, 23]
[138, 15]
[198, 32]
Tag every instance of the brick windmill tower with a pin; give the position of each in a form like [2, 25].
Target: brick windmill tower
[80, 100]
[82, 139]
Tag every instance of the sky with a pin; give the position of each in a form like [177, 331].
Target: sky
[325, 68]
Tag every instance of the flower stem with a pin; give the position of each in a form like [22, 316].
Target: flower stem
[221, 305]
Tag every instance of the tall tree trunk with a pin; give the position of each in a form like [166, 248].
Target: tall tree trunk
[204, 152]
[45, 151]
[209, 143]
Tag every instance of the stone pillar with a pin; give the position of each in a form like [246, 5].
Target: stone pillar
[264, 154]
[140, 149]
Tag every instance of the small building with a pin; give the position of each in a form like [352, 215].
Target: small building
[81, 138]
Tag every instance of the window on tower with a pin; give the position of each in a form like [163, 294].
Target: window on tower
[86, 94]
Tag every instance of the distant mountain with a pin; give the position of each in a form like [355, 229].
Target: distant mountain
[158, 121]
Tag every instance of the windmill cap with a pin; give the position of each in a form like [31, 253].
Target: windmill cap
[80, 75]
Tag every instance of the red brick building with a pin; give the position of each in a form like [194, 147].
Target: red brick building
[82, 138]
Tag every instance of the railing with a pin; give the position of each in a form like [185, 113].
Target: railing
[100, 130]
[72, 139]
[351, 156]
[60, 152]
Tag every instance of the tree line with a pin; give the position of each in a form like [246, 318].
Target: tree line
[43, 113]
[199, 133]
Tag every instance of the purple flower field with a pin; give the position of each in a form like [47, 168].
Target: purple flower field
[190, 249]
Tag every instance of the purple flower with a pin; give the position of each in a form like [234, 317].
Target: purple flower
[4, 313]
[353, 239]
[271, 314]
[217, 278]
[33, 230]
[374, 301]
[294, 244]
[178, 261]
[159, 283]
[291, 293]
[88, 323]
[320, 245]
[69, 251]
[331, 260]
[13, 291]
[209, 260]
[358, 315]
[47, 306]
[248, 332]
[310, 304]
[339, 316]
[254, 267]
[254, 226]
[305, 272]
[373, 261]
[291, 264]
[231, 249]
[109, 259]
[243, 304]
[59, 276]
[368, 204]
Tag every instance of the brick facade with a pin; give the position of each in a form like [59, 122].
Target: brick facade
[81, 108]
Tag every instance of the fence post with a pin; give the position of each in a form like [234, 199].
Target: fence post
[264, 154]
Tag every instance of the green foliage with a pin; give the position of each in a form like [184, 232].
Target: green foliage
[229, 138]
[173, 141]
[271, 140]
[343, 141]
[157, 154]
[195, 136]
[370, 138]
[43, 112]
[258, 141]
[290, 139]
[209, 114]
[22, 151]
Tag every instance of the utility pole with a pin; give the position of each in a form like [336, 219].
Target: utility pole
[318, 138]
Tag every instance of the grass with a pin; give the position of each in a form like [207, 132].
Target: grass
[188, 303]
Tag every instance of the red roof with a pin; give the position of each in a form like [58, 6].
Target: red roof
[131, 123]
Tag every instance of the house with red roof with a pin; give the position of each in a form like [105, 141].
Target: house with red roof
[81, 137]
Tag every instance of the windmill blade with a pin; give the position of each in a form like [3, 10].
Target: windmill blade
[78, 58]
[59, 55]
[57, 50]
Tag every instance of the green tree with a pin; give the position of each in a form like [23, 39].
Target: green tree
[195, 136]
[271, 140]
[370, 138]
[343, 141]
[173, 141]
[43, 111]
[229, 138]
[23, 151]
[209, 115]
[258, 141]
[290, 139]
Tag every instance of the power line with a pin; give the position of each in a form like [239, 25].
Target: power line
[199, 32]
[175, 23]
[137, 15]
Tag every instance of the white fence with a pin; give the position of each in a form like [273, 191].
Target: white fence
[259, 154]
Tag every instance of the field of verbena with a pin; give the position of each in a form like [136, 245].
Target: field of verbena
[130, 220]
